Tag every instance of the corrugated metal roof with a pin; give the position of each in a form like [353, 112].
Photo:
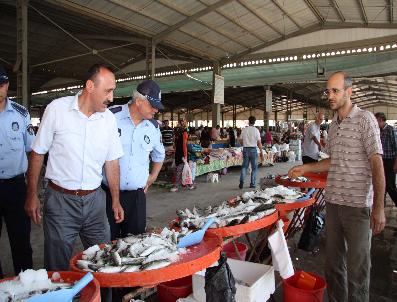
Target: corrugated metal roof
[227, 29]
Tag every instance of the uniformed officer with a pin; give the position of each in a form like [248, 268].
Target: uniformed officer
[140, 136]
[16, 135]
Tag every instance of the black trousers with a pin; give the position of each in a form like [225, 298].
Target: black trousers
[308, 159]
[12, 201]
[390, 177]
[134, 206]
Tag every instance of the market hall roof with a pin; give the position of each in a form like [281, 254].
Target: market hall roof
[189, 33]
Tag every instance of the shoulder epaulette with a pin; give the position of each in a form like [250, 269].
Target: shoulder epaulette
[154, 122]
[116, 109]
[19, 108]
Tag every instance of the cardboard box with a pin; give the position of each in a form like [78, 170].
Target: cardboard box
[254, 282]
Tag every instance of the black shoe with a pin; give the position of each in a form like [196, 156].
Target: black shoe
[252, 186]
[240, 186]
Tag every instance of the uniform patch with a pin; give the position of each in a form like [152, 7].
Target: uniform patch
[15, 126]
[115, 109]
[30, 129]
[147, 139]
[119, 130]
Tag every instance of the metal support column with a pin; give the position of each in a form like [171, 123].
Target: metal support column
[21, 65]
[147, 59]
[234, 116]
[216, 108]
[153, 61]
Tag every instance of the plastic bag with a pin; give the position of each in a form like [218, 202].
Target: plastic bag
[219, 282]
[311, 232]
[186, 175]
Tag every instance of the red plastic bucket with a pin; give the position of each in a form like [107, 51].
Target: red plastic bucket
[173, 290]
[231, 252]
[293, 293]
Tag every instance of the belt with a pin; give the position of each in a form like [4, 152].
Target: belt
[13, 179]
[70, 192]
[106, 188]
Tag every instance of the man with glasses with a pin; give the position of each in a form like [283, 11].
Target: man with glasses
[354, 192]
[140, 136]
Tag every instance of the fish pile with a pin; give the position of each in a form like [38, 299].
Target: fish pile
[29, 283]
[296, 179]
[134, 253]
[246, 208]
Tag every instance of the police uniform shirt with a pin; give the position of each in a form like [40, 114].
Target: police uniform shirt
[138, 143]
[78, 145]
[16, 136]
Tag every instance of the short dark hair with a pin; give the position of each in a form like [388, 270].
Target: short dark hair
[381, 116]
[93, 71]
[252, 120]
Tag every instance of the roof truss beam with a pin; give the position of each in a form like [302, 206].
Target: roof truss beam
[280, 7]
[222, 33]
[335, 5]
[263, 19]
[315, 11]
[90, 13]
[162, 35]
[362, 11]
[391, 13]
[246, 29]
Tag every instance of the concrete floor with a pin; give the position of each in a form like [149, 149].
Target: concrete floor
[162, 204]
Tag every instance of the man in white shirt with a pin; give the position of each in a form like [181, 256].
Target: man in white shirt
[311, 143]
[81, 136]
[251, 139]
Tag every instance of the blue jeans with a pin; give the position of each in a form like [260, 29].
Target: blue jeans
[250, 155]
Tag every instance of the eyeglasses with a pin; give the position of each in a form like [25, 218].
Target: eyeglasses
[327, 92]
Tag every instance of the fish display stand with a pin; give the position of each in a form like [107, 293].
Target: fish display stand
[89, 293]
[196, 258]
[317, 181]
[232, 233]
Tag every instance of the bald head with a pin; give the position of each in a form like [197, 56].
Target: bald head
[339, 90]
[341, 75]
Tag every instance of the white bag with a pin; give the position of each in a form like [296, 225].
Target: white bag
[186, 175]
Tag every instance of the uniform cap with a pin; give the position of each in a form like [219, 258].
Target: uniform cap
[3, 75]
[152, 92]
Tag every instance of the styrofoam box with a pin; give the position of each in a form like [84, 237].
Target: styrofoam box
[254, 282]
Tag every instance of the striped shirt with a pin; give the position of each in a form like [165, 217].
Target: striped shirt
[351, 143]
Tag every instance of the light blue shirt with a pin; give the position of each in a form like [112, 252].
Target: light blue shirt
[138, 143]
[16, 136]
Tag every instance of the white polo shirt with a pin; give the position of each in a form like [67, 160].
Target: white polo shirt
[250, 136]
[309, 147]
[78, 145]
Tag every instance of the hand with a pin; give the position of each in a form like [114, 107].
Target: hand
[296, 171]
[32, 208]
[378, 220]
[118, 212]
[184, 159]
[261, 157]
[149, 182]
[395, 166]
